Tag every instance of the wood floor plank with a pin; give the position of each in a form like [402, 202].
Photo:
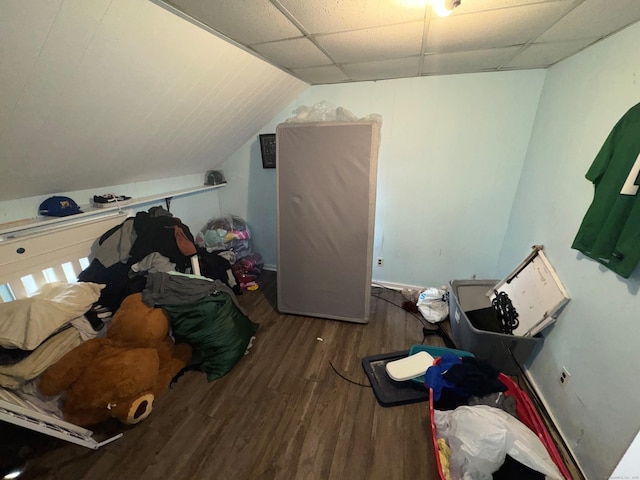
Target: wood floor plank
[175, 460]
[285, 445]
[283, 413]
[352, 455]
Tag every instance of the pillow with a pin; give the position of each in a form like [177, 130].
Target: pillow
[27, 322]
[216, 330]
[51, 350]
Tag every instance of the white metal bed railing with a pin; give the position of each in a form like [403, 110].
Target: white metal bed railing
[27, 263]
[50, 425]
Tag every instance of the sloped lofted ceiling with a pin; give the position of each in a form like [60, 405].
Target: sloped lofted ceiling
[106, 92]
[332, 41]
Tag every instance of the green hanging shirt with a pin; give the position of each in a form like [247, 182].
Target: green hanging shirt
[610, 230]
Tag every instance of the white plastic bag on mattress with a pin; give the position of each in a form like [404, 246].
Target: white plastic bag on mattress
[327, 112]
[480, 437]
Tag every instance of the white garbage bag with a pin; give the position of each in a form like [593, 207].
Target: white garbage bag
[480, 437]
[433, 304]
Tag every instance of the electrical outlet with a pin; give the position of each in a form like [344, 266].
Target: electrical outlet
[380, 261]
[564, 376]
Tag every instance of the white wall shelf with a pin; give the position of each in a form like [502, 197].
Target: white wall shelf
[24, 227]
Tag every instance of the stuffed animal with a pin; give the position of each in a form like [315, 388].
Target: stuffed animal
[120, 375]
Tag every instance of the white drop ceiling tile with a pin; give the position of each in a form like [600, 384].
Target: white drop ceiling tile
[494, 28]
[395, 68]
[370, 44]
[296, 53]
[472, 6]
[320, 75]
[593, 18]
[245, 22]
[467, 62]
[540, 55]
[326, 16]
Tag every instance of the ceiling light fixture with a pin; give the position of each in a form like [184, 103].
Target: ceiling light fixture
[444, 8]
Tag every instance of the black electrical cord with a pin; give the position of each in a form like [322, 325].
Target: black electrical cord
[347, 379]
[419, 317]
[425, 331]
[441, 332]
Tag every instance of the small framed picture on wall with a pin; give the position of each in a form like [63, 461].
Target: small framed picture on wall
[268, 150]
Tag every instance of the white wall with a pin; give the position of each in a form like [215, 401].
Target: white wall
[253, 196]
[451, 153]
[596, 335]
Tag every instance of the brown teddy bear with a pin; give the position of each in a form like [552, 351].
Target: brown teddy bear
[120, 375]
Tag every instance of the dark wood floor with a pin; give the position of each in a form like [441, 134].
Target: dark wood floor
[282, 413]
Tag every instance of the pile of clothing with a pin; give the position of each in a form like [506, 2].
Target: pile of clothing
[230, 236]
[153, 241]
[152, 253]
[479, 436]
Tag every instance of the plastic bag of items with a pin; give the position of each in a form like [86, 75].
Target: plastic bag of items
[227, 233]
[327, 112]
[433, 304]
[480, 437]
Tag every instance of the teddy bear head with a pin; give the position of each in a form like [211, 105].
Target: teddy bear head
[136, 325]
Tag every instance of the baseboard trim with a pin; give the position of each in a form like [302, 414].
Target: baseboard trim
[533, 385]
[395, 286]
[375, 283]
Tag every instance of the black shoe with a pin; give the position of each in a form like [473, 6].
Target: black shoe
[109, 199]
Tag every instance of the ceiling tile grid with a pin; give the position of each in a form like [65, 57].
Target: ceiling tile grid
[296, 53]
[394, 68]
[245, 21]
[381, 43]
[334, 41]
[593, 19]
[321, 75]
[474, 6]
[492, 28]
[467, 62]
[330, 16]
[539, 55]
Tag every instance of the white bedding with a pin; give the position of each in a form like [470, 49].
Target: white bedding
[28, 322]
[52, 350]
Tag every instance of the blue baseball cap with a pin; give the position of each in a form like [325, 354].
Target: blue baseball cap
[58, 207]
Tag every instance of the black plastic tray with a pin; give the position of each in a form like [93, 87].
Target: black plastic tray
[389, 392]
